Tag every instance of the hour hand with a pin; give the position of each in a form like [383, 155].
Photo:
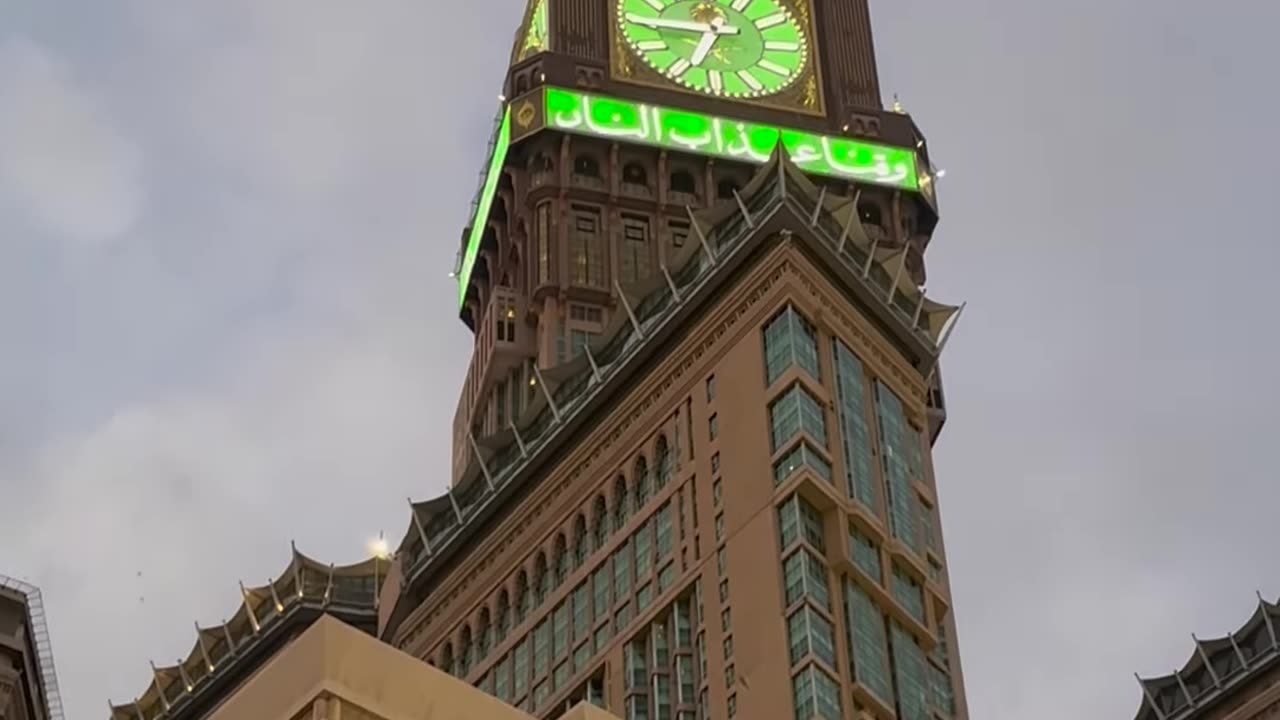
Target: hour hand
[704, 47]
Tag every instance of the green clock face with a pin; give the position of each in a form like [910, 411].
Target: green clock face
[729, 48]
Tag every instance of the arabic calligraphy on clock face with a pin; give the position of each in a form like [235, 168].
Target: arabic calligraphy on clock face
[728, 48]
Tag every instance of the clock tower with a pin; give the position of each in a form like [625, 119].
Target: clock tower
[802, 66]
[691, 471]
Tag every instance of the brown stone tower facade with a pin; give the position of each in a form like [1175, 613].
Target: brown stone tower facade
[691, 470]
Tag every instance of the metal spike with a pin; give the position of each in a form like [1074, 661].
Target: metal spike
[697, 229]
[1151, 701]
[524, 451]
[897, 276]
[204, 649]
[746, 214]
[275, 597]
[226, 633]
[484, 467]
[871, 257]
[546, 392]
[164, 699]
[1204, 657]
[817, 208]
[1266, 616]
[635, 322]
[671, 282]
[186, 679]
[595, 369]
[457, 511]
[1185, 692]
[915, 317]
[422, 534]
[253, 617]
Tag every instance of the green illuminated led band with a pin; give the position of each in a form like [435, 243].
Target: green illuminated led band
[627, 121]
[478, 223]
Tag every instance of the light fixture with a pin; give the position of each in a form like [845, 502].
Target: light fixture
[378, 548]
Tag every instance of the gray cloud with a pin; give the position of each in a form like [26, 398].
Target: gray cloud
[258, 343]
[62, 158]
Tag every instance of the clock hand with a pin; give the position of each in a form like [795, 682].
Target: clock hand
[704, 47]
[664, 23]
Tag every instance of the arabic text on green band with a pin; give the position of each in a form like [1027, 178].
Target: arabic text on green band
[628, 121]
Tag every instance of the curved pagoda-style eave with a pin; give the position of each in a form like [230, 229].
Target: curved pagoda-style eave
[797, 207]
[1221, 665]
[218, 650]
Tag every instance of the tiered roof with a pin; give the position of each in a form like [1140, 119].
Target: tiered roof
[225, 654]
[779, 202]
[1216, 669]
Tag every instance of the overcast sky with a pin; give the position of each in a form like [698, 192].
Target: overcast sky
[226, 319]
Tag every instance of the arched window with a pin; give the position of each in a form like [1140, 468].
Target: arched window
[504, 613]
[634, 174]
[600, 522]
[620, 503]
[641, 474]
[466, 652]
[662, 458]
[446, 658]
[484, 635]
[869, 213]
[541, 579]
[580, 548]
[726, 188]
[682, 181]
[524, 597]
[560, 558]
[586, 166]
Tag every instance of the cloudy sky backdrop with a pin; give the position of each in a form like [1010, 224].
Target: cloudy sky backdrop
[225, 320]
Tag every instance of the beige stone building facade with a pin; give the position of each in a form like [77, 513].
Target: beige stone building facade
[1236, 677]
[28, 683]
[724, 507]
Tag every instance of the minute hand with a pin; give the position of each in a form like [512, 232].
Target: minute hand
[671, 24]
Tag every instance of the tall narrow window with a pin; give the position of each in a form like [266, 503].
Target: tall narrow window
[542, 232]
[794, 412]
[909, 674]
[586, 255]
[816, 695]
[578, 341]
[797, 519]
[790, 339]
[636, 249]
[894, 438]
[505, 321]
[855, 431]
[868, 654]
[500, 400]
[662, 458]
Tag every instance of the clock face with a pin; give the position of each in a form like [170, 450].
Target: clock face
[728, 48]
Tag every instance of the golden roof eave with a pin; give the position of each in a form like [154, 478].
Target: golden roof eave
[219, 645]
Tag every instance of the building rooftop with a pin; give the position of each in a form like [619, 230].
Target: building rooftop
[268, 617]
[1216, 669]
[37, 635]
[780, 201]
